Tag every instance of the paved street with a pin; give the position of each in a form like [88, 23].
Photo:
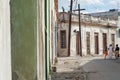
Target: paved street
[100, 69]
[68, 68]
[87, 68]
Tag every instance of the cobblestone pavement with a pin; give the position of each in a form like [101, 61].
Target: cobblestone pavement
[87, 68]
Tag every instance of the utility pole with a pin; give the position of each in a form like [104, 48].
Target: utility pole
[80, 48]
[80, 44]
[69, 35]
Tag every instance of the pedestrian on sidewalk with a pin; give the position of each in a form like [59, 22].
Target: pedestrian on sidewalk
[110, 52]
[105, 52]
[117, 52]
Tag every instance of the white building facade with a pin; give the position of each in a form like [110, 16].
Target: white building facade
[119, 29]
[40, 70]
[5, 48]
[96, 34]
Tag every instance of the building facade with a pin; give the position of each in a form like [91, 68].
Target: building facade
[27, 31]
[96, 34]
[111, 14]
[119, 28]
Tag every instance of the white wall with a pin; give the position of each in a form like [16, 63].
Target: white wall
[53, 35]
[86, 28]
[62, 51]
[5, 48]
[92, 30]
[118, 30]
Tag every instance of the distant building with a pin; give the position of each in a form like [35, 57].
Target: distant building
[111, 14]
[96, 34]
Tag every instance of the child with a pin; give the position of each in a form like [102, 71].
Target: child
[105, 52]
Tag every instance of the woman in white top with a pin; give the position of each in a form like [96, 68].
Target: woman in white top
[110, 54]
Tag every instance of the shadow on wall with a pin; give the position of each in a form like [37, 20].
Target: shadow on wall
[14, 76]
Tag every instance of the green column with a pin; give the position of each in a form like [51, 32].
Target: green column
[24, 39]
[47, 36]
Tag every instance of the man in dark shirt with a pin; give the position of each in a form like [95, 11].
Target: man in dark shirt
[116, 51]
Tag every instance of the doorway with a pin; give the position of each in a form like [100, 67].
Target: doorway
[96, 43]
[104, 41]
[88, 42]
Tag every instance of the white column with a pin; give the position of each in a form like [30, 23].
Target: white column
[92, 42]
[40, 42]
[100, 43]
[73, 41]
[108, 40]
[83, 40]
[119, 29]
[5, 41]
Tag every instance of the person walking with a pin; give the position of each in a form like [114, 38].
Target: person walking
[110, 52]
[117, 52]
[105, 52]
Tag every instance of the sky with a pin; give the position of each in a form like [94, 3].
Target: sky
[90, 6]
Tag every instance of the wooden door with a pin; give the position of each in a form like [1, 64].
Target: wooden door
[96, 43]
[88, 42]
[78, 44]
[104, 41]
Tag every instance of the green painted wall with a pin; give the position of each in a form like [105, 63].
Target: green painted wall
[24, 39]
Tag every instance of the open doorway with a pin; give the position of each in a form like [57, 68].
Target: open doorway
[96, 43]
[104, 40]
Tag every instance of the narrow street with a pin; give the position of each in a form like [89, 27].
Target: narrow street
[87, 68]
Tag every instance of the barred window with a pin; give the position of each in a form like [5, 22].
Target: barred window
[63, 38]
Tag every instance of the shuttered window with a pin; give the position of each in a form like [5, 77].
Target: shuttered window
[63, 38]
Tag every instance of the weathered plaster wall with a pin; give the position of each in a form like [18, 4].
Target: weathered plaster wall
[92, 30]
[24, 39]
[119, 28]
[41, 42]
[62, 52]
[53, 20]
[84, 29]
[5, 48]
